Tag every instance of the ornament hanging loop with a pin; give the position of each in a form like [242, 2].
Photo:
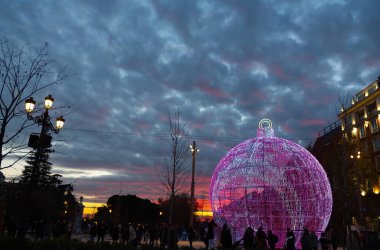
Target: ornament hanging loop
[265, 121]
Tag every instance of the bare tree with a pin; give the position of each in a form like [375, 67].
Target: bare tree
[24, 72]
[172, 172]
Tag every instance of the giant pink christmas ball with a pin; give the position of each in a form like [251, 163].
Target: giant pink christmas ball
[270, 182]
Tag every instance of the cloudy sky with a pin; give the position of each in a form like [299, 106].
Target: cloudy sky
[224, 64]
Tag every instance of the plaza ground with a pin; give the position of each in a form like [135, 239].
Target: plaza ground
[181, 243]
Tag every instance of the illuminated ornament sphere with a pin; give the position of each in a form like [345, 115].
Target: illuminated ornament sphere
[270, 182]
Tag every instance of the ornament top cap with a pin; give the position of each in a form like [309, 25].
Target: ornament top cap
[265, 128]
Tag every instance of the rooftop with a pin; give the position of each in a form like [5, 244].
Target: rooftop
[366, 91]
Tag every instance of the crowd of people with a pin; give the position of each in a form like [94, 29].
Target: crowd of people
[166, 237]
[250, 240]
[39, 229]
[309, 240]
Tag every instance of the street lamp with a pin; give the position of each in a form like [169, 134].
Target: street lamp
[194, 150]
[43, 140]
[357, 156]
[44, 119]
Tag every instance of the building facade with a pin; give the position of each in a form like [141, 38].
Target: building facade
[349, 151]
[362, 120]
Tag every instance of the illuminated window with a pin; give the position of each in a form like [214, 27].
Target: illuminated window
[376, 143]
[354, 131]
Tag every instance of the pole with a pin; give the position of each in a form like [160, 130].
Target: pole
[36, 168]
[194, 151]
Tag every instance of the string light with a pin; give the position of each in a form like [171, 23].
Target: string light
[270, 182]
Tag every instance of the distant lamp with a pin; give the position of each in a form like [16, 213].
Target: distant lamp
[60, 122]
[30, 104]
[192, 149]
[110, 211]
[363, 193]
[376, 189]
[160, 213]
[49, 100]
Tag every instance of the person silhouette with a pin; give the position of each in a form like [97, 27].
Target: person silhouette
[226, 237]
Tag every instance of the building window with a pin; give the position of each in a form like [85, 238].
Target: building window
[361, 116]
[362, 131]
[377, 159]
[371, 109]
[374, 126]
[376, 143]
[349, 121]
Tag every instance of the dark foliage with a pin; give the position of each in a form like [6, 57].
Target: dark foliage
[40, 172]
[25, 205]
[181, 207]
[124, 209]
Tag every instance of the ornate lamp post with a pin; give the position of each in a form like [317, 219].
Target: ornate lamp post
[43, 120]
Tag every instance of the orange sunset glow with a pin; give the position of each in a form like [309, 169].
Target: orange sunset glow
[204, 208]
[91, 208]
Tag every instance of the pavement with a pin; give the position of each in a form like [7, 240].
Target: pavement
[181, 243]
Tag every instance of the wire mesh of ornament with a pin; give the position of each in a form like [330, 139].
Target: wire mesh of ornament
[270, 182]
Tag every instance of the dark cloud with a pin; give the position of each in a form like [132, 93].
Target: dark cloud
[225, 64]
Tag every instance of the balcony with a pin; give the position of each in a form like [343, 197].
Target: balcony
[367, 91]
[371, 113]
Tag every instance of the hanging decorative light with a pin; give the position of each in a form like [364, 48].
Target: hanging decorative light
[272, 183]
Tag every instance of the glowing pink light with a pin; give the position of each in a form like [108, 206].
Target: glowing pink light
[270, 182]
